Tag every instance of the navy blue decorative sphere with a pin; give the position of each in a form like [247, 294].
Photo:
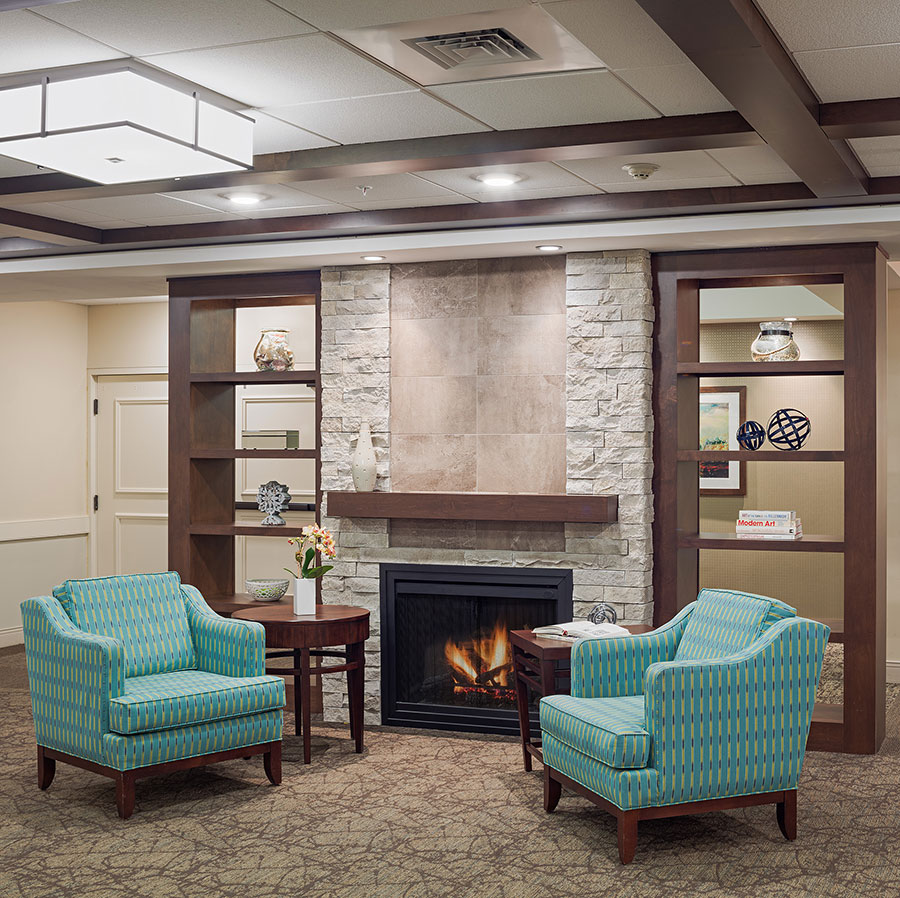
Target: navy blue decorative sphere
[788, 428]
[751, 435]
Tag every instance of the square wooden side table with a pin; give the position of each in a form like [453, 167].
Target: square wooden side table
[541, 665]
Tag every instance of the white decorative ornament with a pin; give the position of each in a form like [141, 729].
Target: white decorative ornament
[363, 466]
[304, 595]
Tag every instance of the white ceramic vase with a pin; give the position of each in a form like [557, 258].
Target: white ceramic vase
[304, 596]
[363, 468]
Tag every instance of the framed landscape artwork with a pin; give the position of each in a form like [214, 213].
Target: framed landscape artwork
[722, 411]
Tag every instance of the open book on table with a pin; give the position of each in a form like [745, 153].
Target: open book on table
[580, 629]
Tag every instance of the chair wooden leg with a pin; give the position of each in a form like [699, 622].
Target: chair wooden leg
[628, 829]
[125, 794]
[272, 764]
[552, 791]
[786, 811]
[46, 769]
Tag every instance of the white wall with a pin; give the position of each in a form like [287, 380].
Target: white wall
[43, 455]
[128, 335]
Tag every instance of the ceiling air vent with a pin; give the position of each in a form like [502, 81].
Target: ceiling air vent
[487, 46]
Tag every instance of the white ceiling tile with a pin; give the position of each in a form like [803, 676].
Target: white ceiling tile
[57, 210]
[879, 155]
[546, 100]
[535, 176]
[277, 196]
[152, 220]
[675, 89]
[325, 209]
[283, 72]
[504, 194]
[28, 42]
[382, 188]
[134, 208]
[448, 199]
[618, 31]
[108, 224]
[861, 73]
[754, 165]
[330, 15]
[11, 168]
[693, 168]
[163, 26]
[826, 24]
[271, 135]
[383, 117]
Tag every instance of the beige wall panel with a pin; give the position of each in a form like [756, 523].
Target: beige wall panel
[32, 568]
[128, 335]
[892, 410]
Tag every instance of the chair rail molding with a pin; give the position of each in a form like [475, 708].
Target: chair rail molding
[43, 528]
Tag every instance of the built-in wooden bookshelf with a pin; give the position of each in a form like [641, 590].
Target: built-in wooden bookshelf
[202, 391]
[857, 725]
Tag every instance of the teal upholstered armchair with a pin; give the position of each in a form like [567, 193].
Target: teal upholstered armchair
[710, 711]
[132, 676]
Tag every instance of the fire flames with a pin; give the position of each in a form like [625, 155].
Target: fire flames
[481, 665]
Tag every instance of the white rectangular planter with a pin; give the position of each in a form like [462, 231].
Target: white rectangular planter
[304, 596]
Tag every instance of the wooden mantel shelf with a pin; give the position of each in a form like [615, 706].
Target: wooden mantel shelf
[475, 506]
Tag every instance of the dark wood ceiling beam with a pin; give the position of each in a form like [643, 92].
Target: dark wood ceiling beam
[715, 130]
[861, 118]
[50, 227]
[734, 46]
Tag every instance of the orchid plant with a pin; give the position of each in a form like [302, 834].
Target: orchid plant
[313, 539]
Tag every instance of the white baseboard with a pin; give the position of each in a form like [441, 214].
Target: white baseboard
[893, 671]
[11, 636]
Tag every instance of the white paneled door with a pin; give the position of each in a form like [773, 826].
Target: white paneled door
[132, 474]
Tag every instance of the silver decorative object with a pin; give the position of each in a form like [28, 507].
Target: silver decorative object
[273, 497]
[267, 590]
[603, 613]
[775, 343]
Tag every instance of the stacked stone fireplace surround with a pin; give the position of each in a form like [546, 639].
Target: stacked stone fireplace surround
[608, 447]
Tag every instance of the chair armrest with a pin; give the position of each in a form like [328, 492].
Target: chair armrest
[72, 675]
[612, 667]
[222, 645]
[735, 725]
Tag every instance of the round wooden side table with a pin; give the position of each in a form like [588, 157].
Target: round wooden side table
[306, 636]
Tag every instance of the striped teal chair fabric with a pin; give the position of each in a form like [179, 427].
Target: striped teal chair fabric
[689, 713]
[129, 673]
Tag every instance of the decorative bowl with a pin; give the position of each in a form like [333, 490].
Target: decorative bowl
[267, 590]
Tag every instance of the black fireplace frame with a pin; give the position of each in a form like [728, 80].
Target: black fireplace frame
[458, 579]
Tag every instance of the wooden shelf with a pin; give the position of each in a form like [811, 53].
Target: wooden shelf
[760, 369]
[807, 543]
[243, 530]
[256, 377]
[253, 453]
[760, 455]
[475, 506]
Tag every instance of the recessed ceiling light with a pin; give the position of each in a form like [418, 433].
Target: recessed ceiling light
[549, 247]
[789, 319]
[372, 258]
[498, 179]
[244, 198]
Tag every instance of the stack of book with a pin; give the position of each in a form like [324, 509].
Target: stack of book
[768, 525]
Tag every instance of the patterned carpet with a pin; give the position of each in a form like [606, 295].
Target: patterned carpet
[421, 815]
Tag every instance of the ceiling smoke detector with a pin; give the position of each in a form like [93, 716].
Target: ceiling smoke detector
[640, 171]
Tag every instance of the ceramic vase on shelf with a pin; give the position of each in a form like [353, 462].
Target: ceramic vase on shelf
[775, 343]
[272, 352]
[363, 468]
[304, 595]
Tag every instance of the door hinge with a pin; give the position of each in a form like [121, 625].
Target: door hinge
[96, 406]
[96, 503]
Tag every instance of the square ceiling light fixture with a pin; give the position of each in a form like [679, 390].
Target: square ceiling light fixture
[119, 122]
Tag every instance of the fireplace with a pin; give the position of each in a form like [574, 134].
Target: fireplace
[446, 662]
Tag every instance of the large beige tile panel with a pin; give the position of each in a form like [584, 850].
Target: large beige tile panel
[429, 347]
[522, 463]
[433, 405]
[531, 286]
[525, 403]
[434, 290]
[433, 462]
[522, 344]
